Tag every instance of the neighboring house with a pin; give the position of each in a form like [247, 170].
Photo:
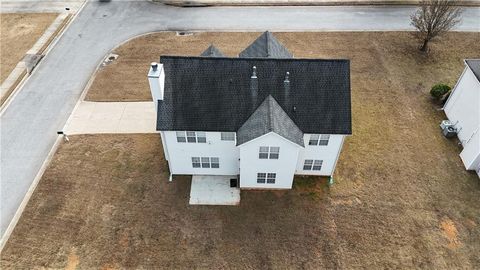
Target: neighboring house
[264, 116]
[463, 110]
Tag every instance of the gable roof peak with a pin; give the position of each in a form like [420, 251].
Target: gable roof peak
[212, 51]
[266, 46]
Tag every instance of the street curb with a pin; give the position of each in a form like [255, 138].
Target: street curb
[206, 3]
[28, 195]
[11, 226]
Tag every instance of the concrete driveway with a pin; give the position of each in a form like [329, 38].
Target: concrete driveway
[29, 124]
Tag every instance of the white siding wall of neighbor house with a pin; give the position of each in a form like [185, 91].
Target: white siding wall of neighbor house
[327, 153]
[463, 108]
[180, 154]
[283, 167]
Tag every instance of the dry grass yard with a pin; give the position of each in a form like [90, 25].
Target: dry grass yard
[402, 199]
[18, 33]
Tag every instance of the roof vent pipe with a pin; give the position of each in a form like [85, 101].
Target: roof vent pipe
[254, 87]
[286, 93]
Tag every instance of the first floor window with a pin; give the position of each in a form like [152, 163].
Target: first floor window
[215, 162]
[228, 136]
[268, 178]
[181, 136]
[195, 162]
[261, 177]
[312, 164]
[271, 178]
[206, 162]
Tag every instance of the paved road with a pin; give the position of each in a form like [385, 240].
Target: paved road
[29, 124]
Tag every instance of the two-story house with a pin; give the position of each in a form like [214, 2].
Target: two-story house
[263, 116]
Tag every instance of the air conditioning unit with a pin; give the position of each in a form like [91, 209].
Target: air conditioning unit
[448, 129]
[445, 124]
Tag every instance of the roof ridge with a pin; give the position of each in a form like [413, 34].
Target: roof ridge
[270, 113]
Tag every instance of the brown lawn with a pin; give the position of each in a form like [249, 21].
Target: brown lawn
[402, 198]
[18, 33]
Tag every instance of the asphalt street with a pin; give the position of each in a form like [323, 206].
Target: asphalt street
[41, 108]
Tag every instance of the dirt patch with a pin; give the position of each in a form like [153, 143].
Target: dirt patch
[18, 33]
[451, 233]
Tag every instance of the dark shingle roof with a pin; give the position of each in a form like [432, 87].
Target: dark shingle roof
[474, 65]
[212, 51]
[268, 117]
[266, 45]
[213, 94]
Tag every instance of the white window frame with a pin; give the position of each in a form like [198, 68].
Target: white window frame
[196, 162]
[191, 136]
[312, 165]
[263, 152]
[227, 136]
[205, 162]
[261, 178]
[269, 152]
[319, 139]
[181, 138]
[266, 178]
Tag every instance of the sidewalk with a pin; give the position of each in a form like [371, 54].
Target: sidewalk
[112, 117]
[193, 3]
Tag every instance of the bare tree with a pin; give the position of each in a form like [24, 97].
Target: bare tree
[434, 18]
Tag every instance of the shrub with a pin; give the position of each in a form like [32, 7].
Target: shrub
[439, 90]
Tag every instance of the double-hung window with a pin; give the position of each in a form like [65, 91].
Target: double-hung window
[312, 165]
[195, 162]
[319, 139]
[268, 178]
[191, 136]
[206, 162]
[228, 136]
[272, 152]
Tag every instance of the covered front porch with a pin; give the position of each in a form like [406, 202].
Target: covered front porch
[214, 190]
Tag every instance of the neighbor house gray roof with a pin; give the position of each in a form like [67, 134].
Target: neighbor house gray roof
[212, 51]
[269, 117]
[266, 46]
[214, 93]
[474, 65]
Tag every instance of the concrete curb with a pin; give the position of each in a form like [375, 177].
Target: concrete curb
[205, 3]
[26, 198]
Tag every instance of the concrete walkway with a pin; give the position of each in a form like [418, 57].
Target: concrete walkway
[112, 117]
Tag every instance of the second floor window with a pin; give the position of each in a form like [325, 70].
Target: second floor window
[272, 152]
[228, 136]
[191, 136]
[317, 139]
